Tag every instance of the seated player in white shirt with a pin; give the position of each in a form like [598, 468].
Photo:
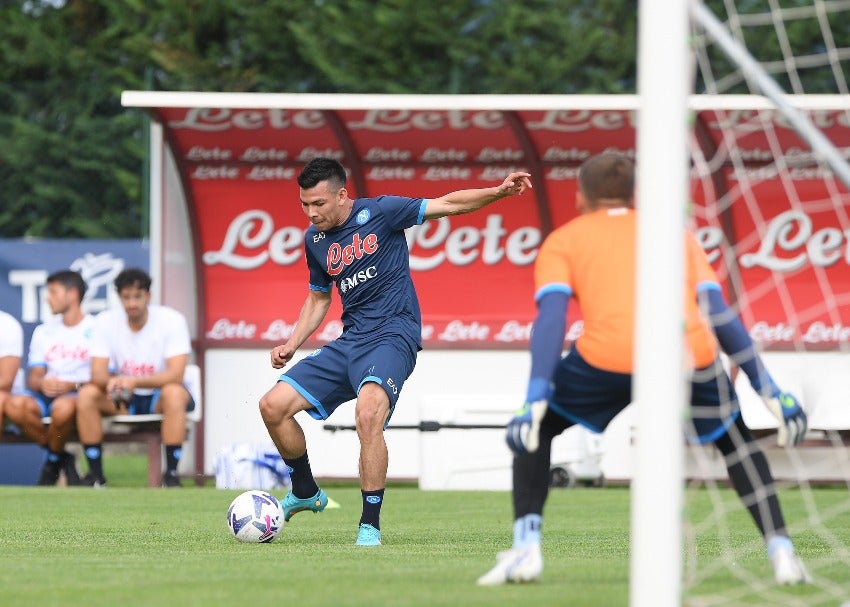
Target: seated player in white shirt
[138, 360]
[58, 364]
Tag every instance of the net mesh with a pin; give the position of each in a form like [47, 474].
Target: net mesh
[774, 219]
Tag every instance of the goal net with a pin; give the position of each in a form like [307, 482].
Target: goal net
[770, 203]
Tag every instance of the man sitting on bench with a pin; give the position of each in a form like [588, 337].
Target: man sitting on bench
[58, 364]
[138, 360]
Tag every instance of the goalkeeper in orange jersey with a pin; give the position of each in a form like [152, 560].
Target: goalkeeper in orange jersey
[591, 259]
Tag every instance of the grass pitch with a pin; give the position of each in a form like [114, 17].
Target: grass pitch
[135, 546]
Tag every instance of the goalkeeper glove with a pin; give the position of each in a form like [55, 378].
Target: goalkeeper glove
[792, 419]
[523, 431]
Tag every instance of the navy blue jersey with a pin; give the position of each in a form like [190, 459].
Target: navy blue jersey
[368, 259]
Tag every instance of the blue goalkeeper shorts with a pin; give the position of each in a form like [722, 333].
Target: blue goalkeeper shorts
[333, 374]
[592, 397]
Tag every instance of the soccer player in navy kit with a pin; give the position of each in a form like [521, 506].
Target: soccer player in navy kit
[359, 245]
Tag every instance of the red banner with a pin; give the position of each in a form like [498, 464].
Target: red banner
[782, 251]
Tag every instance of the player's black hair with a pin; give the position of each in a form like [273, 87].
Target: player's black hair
[70, 280]
[322, 169]
[133, 277]
[609, 175]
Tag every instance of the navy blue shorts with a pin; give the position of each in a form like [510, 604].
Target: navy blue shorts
[44, 402]
[333, 374]
[145, 404]
[592, 397]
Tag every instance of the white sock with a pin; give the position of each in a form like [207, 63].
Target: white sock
[527, 530]
[778, 542]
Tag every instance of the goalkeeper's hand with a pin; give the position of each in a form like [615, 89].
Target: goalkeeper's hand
[523, 431]
[792, 419]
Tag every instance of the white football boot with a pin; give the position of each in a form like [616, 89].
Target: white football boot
[788, 568]
[516, 565]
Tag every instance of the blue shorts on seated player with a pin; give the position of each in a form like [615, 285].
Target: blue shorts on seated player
[145, 404]
[43, 401]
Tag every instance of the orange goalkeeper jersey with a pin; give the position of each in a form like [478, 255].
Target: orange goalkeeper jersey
[594, 257]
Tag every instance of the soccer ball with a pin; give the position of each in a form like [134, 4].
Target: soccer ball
[255, 517]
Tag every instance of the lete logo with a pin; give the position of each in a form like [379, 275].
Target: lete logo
[341, 256]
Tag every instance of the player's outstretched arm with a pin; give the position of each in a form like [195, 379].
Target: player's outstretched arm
[466, 201]
[737, 344]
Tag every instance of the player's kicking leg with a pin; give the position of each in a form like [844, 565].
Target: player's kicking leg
[278, 408]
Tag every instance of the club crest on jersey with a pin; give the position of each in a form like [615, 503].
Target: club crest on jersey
[363, 216]
[340, 256]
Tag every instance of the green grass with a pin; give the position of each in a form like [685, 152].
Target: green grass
[129, 545]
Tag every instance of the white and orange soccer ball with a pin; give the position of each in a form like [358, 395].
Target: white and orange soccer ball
[255, 517]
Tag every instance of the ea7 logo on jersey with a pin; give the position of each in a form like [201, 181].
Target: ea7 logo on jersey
[340, 256]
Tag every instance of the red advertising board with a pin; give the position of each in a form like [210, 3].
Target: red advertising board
[782, 251]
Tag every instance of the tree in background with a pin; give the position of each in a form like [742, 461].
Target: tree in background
[71, 156]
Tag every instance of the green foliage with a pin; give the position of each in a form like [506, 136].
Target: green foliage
[67, 146]
[71, 157]
[457, 46]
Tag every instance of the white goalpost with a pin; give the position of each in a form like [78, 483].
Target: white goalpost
[659, 388]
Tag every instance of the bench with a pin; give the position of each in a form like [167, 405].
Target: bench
[142, 428]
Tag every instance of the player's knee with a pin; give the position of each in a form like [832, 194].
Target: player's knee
[13, 408]
[62, 410]
[174, 399]
[174, 392]
[274, 405]
[87, 397]
[369, 417]
[18, 409]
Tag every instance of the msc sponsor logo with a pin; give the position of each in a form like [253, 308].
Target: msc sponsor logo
[358, 278]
